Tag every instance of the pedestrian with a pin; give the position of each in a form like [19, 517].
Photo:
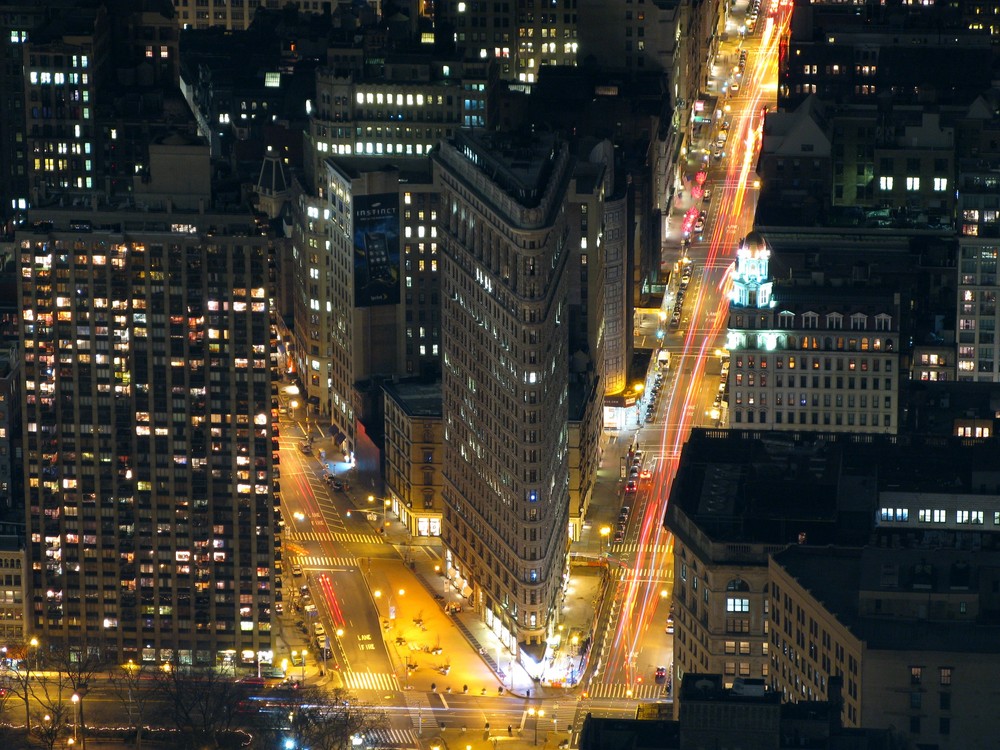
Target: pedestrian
[510, 731]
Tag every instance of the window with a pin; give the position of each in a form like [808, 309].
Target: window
[940, 184]
[913, 184]
[915, 674]
[737, 604]
[915, 699]
[885, 183]
[944, 674]
[944, 726]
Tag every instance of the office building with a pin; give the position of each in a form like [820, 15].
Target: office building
[807, 355]
[149, 457]
[504, 320]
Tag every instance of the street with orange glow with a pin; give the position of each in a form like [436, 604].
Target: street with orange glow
[634, 640]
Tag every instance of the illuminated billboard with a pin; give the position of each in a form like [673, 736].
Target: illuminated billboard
[376, 250]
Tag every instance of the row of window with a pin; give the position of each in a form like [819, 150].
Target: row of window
[938, 515]
[838, 419]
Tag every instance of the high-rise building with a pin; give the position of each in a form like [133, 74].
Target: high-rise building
[504, 324]
[148, 446]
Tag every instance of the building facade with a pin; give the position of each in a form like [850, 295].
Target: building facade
[910, 632]
[505, 370]
[149, 455]
[414, 454]
[810, 356]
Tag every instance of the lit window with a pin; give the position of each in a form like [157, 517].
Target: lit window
[913, 184]
[885, 183]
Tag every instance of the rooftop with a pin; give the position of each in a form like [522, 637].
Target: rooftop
[418, 398]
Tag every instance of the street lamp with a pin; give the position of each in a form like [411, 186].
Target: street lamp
[606, 534]
[34, 644]
[303, 674]
[537, 714]
[76, 715]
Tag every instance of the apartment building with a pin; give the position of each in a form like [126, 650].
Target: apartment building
[403, 110]
[149, 456]
[414, 454]
[735, 501]
[66, 63]
[976, 316]
[910, 631]
[807, 355]
[505, 369]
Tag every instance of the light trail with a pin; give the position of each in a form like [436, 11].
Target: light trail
[639, 594]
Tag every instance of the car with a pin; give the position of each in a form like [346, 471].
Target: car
[700, 226]
[318, 630]
[707, 195]
[646, 474]
[619, 535]
[661, 675]
[633, 473]
[718, 153]
[272, 673]
[734, 86]
[296, 570]
[306, 448]
[279, 608]
[632, 486]
[299, 515]
[670, 624]
[252, 681]
[626, 509]
[283, 410]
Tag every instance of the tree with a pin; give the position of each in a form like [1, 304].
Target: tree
[132, 684]
[331, 721]
[53, 710]
[202, 703]
[48, 727]
[23, 657]
[77, 664]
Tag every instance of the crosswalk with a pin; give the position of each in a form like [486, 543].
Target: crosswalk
[322, 561]
[563, 715]
[327, 536]
[619, 548]
[422, 716]
[370, 681]
[391, 738]
[643, 692]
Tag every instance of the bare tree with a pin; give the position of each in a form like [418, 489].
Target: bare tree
[132, 684]
[331, 721]
[313, 717]
[53, 710]
[202, 703]
[77, 664]
[24, 659]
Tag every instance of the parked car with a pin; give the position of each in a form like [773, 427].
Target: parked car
[632, 486]
[661, 675]
[296, 570]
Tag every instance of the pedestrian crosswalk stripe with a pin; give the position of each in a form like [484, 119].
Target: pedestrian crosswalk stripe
[319, 561]
[370, 681]
[326, 536]
[645, 691]
[630, 547]
[391, 738]
[359, 538]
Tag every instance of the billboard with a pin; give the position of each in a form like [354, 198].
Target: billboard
[376, 250]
